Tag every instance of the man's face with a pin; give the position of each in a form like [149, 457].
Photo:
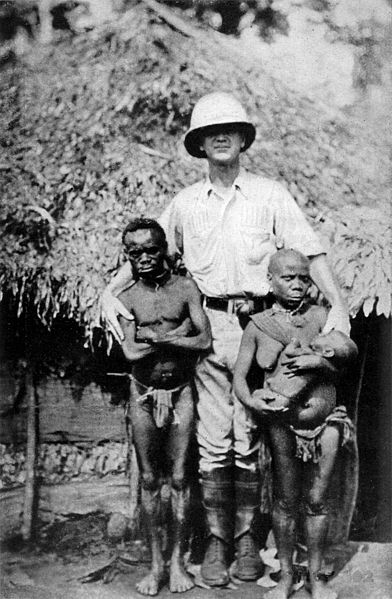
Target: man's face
[145, 251]
[290, 281]
[222, 144]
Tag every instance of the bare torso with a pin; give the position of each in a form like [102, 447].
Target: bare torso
[158, 310]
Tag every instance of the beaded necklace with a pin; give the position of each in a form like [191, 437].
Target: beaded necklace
[293, 316]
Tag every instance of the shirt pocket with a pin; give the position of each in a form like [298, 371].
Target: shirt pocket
[257, 243]
[200, 226]
[201, 244]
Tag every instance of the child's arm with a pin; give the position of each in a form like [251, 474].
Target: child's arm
[313, 363]
[306, 360]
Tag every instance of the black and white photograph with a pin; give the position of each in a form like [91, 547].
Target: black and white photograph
[195, 299]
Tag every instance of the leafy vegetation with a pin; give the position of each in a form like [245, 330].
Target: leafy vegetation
[92, 136]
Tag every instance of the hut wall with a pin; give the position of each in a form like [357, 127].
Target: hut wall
[82, 452]
[65, 413]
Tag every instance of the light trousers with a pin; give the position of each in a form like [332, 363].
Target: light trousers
[227, 433]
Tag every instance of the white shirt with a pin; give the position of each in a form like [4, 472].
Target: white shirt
[226, 243]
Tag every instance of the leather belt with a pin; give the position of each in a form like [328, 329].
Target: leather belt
[231, 304]
[218, 303]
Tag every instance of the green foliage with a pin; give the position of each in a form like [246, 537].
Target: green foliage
[92, 136]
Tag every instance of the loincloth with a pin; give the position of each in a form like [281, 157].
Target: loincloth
[308, 444]
[159, 402]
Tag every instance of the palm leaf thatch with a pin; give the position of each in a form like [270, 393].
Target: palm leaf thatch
[92, 136]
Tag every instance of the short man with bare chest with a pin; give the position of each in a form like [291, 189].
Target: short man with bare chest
[163, 342]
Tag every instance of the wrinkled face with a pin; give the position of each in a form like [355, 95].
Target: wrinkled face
[146, 252]
[222, 144]
[290, 281]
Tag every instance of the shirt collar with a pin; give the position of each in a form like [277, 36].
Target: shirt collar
[240, 184]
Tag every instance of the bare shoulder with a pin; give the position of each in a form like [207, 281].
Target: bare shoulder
[127, 296]
[186, 285]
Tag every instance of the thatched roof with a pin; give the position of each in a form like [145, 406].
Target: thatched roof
[93, 136]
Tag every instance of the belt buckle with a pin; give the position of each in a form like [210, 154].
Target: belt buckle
[238, 304]
[231, 307]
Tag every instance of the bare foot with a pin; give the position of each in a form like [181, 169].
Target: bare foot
[151, 583]
[320, 590]
[180, 581]
[284, 588]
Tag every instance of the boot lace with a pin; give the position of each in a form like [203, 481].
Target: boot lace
[215, 550]
[247, 546]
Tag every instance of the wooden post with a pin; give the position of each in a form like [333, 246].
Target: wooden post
[31, 453]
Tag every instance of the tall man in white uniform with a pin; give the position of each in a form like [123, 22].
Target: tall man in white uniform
[225, 228]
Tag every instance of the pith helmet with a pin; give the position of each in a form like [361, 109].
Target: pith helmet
[218, 108]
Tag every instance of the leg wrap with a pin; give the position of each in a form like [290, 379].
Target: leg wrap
[315, 508]
[217, 490]
[287, 507]
[247, 494]
[150, 482]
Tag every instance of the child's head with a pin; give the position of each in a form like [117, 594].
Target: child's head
[335, 346]
[288, 274]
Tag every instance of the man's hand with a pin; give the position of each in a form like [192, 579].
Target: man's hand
[111, 307]
[338, 319]
[182, 330]
[146, 335]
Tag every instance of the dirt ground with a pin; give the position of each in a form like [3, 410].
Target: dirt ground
[51, 571]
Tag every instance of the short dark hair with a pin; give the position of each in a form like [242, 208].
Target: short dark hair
[144, 223]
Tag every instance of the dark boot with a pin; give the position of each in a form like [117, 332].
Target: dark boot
[217, 490]
[247, 490]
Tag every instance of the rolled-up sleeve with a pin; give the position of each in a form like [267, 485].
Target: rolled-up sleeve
[291, 228]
